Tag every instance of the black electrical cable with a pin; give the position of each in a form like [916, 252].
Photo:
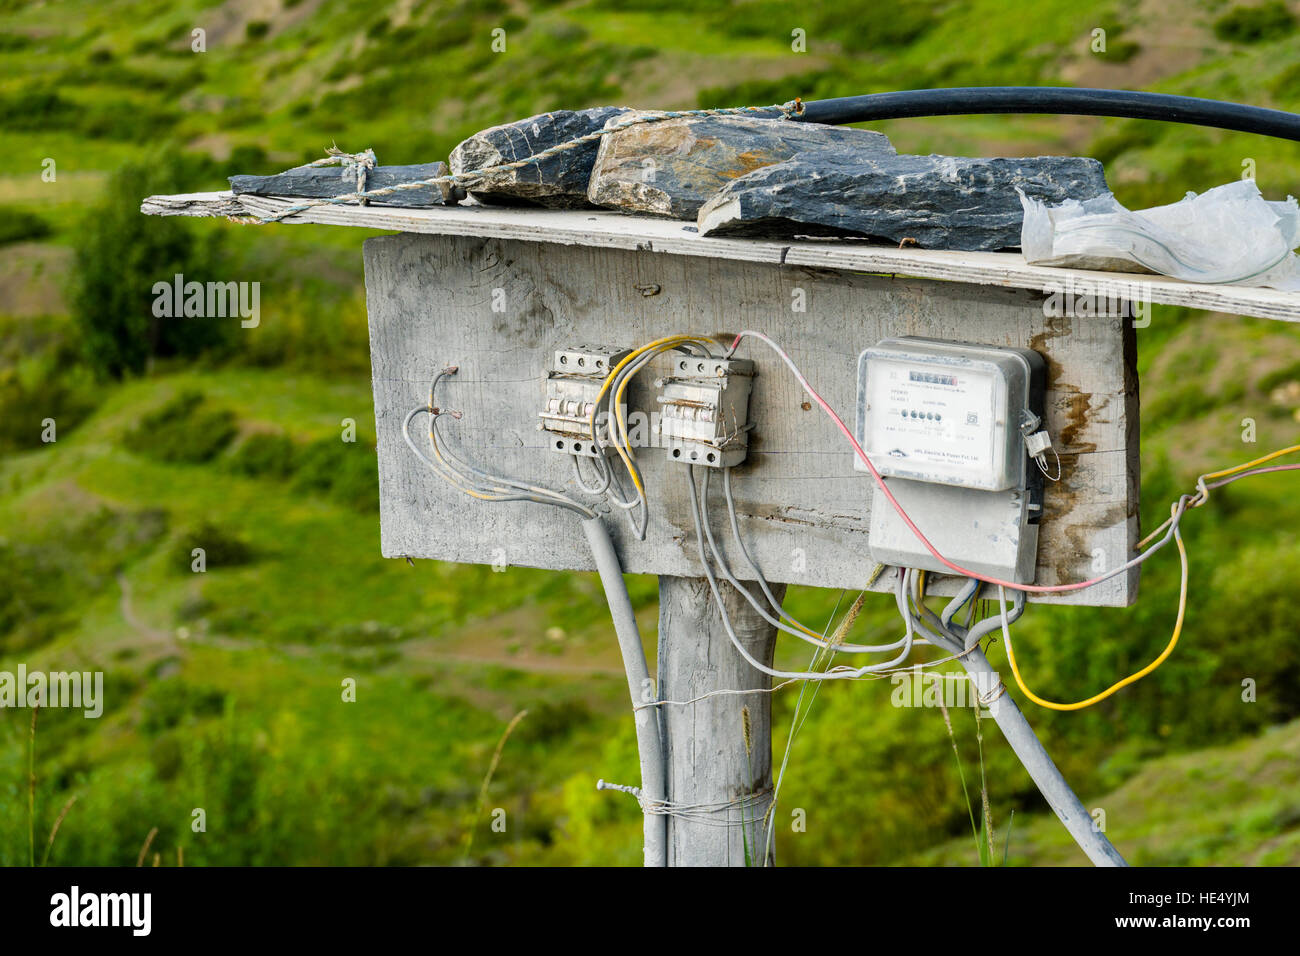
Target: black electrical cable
[1055, 100]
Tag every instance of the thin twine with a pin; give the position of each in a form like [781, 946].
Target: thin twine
[787, 110]
[358, 164]
[695, 812]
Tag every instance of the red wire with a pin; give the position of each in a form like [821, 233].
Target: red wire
[955, 568]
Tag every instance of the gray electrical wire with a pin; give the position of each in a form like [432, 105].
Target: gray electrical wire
[762, 581]
[625, 375]
[581, 482]
[837, 673]
[967, 593]
[649, 737]
[1015, 728]
[754, 602]
[482, 484]
[487, 487]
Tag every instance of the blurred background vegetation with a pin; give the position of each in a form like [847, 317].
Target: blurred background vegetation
[223, 688]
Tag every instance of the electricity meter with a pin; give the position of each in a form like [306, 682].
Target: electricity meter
[948, 424]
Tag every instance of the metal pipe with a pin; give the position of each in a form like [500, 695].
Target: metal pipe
[649, 743]
[1039, 764]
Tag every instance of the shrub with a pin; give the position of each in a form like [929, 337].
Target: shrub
[263, 454]
[167, 704]
[183, 430]
[1280, 376]
[1286, 86]
[1268, 21]
[34, 109]
[18, 225]
[52, 389]
[220, 549]
[346, 471]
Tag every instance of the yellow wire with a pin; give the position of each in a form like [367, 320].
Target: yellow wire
[1219, 474]
[1182, 595]
[629, 459]
[1251, 464]
[1169, 649]
[670, 341]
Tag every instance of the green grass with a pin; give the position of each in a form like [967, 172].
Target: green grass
[1245, 798]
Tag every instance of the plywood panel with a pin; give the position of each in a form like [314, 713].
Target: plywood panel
[804, 509]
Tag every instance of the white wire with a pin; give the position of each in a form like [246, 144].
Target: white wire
[721, 562]
[837, 673]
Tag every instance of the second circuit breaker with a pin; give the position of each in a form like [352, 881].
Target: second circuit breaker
[704, 409]
[572, 384]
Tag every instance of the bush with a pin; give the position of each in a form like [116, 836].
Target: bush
[1268, 21]
[220, 549]
[1280, 376]
[34, 109]
[121, 254]
[34, 603]
[18, 225]
[263, 454]
[168, 703]
[1286, 86]
[346, 471]
[183, 430]
[48, 389]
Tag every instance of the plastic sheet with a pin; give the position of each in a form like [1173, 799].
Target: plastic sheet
[1227, 235]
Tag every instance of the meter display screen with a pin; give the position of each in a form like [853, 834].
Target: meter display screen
[933, 421]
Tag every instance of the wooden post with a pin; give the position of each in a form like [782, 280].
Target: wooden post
[710, 761]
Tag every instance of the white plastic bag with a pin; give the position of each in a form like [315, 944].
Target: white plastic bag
[1229, 235]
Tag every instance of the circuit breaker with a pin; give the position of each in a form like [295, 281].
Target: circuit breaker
[704, 410]
[950, 426]
[573, 381]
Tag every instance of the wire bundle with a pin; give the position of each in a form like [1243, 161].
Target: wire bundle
[615, 387]
[470, 479]
[925, 622]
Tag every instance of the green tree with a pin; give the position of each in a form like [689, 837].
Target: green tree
[121, 254]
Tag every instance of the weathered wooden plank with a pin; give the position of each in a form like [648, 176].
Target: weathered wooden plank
[805, 512]
[711, 761]
[602, 229]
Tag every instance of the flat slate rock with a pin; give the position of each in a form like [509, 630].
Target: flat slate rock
[325, 182]
[558, 182]
[672, 167]
[933, 202]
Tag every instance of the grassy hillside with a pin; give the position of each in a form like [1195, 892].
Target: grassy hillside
[1245, 794]
[225, 689]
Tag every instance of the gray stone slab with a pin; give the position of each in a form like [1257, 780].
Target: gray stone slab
[324, 182]
[672, 167]
[558, 182]
[933, 202]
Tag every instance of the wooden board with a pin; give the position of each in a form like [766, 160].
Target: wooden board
[611, 230]
[804, 509]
